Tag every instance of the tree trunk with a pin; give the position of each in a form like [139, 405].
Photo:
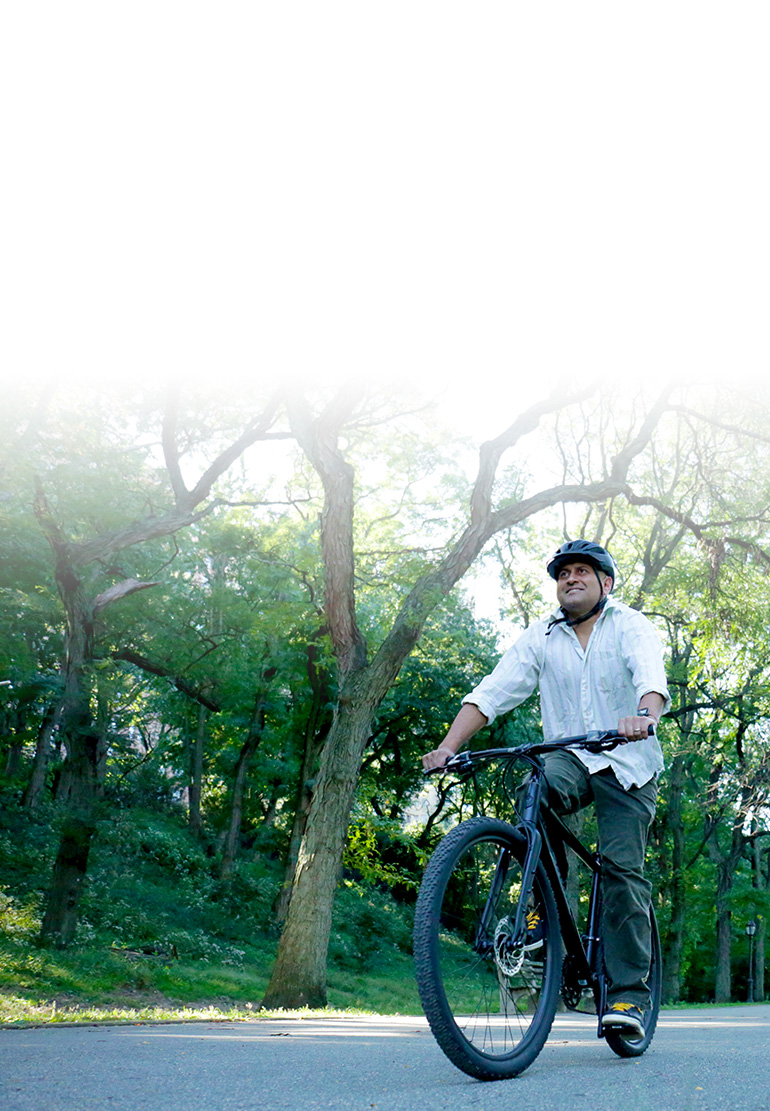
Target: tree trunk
[761, 877]
[723, 979]
[13, 758]
[316, 727]
[80, 790]
[299, 975]
[674, 892]
[726, 864]
[760, 945]
[43, 751]
[69, 873]
[80, 782]
[248, 748]
[196, 773]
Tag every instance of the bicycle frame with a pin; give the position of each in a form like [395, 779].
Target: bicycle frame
[539, 830]
[584, 950]
[496, 940]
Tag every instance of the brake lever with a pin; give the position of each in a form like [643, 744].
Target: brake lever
[460, 762]
[605, 745]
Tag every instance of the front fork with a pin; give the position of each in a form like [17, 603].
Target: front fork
[530, 812]
[528, 827]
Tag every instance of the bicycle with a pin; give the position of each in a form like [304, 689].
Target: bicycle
[489, 983]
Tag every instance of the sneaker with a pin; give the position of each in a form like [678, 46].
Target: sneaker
[626, 1018]
[535, 930]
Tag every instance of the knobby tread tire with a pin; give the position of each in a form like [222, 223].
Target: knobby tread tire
[526, 1026]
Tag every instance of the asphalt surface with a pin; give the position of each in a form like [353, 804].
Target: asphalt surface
[709, 1059]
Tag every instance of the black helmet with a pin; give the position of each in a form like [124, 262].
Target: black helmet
[585, 551]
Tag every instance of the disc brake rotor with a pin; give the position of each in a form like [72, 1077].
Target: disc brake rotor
[507, 959]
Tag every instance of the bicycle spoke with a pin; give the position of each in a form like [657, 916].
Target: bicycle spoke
[499, 998]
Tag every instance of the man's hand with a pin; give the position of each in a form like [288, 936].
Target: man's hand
[466, 725]
[437, 759]
[635, 728]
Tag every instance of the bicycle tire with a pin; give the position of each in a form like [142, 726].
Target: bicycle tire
[490, 1007]
[622, 1044]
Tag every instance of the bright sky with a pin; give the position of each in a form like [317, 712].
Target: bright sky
[449, 192]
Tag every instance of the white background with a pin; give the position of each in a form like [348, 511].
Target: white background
[459, 193]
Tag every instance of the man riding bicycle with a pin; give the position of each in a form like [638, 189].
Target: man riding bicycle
[598, 665]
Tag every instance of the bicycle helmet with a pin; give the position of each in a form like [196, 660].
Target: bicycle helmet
[585, 551]
[581, 551]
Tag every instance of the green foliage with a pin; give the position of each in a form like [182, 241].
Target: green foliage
[236, 621]
[17, 919]
[368, 926]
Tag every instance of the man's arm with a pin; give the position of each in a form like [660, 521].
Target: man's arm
[466, 725]
[635, 727]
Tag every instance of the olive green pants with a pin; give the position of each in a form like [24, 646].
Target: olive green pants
[624, 819]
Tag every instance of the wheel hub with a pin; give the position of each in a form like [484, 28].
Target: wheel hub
[507, 958]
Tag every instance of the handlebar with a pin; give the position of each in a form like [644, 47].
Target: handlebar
[595, 741]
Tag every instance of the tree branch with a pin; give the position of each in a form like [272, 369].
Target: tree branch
[185, 510]
[170, 450]
[485, 522]
[118, 591]
[128, 655]
[492, 451]
[318, 438]
[735, 429]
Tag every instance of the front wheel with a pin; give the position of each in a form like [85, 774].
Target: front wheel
[490, 1004]
[622, 1044]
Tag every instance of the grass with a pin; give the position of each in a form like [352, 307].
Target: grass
[103, 984]
[162, 937]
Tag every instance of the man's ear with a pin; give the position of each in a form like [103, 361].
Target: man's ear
[607, 584]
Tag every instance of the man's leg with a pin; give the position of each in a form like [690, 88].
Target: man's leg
[624, 819]
[568, 791]
[569, 784]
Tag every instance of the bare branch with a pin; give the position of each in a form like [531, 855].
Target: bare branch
[491, 452]
[128, 655]
[117, 591]
[185, 511]
[735, 429]
[170, 450]
[699, 530]
[256, 430]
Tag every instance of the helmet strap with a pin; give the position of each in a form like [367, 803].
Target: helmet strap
[571, 622]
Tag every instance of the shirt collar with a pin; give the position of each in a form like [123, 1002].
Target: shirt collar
[611, 603]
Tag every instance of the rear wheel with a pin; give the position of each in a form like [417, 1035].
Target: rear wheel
[623, 1044]
[490, 1004]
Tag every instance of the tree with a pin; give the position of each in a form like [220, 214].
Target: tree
[299, 975]
[79, 565]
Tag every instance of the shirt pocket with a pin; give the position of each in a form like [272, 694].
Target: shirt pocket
[608, 672]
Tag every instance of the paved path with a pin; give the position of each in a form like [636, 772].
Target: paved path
[713, 1059]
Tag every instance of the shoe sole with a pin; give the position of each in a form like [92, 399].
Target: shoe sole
[624, 1026]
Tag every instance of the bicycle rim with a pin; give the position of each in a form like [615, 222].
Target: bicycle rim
[490, 1006]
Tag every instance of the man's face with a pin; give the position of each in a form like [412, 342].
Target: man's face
[578, 589]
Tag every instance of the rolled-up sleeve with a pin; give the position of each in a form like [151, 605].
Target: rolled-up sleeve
[514, 679]
[641, 649]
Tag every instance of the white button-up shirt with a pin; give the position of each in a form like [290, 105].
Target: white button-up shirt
[582, 690]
